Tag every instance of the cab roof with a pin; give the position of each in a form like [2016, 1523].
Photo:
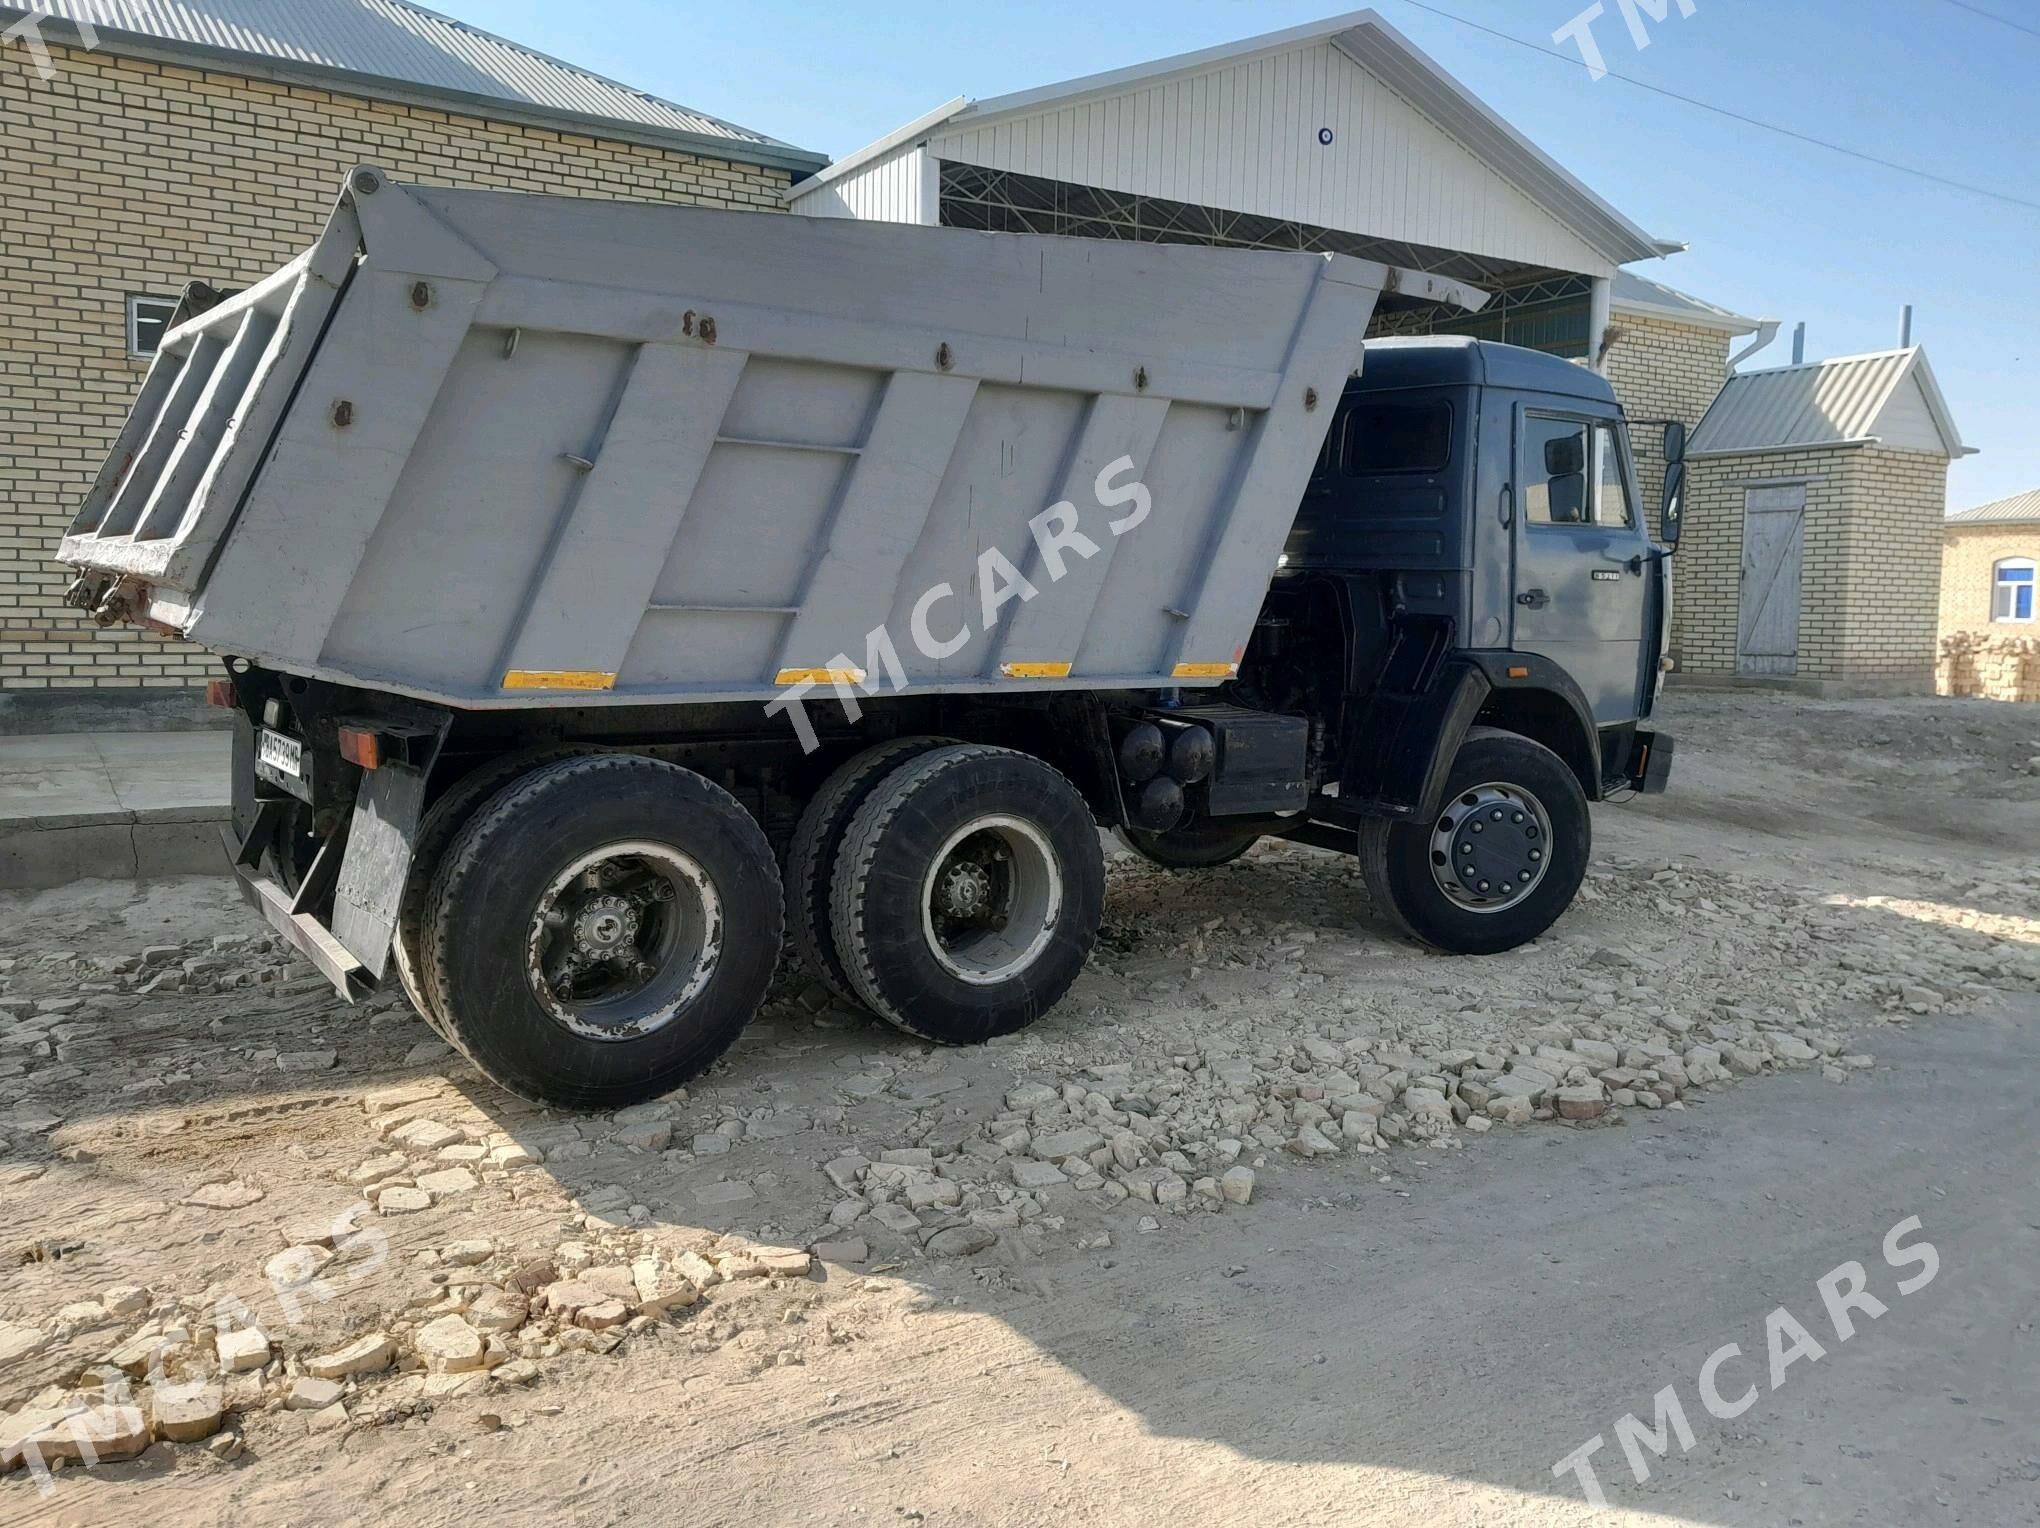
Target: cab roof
[1454, 360]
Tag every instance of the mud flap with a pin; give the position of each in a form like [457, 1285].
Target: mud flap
[380, 839]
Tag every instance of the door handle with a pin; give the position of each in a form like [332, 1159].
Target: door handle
[1534, 599]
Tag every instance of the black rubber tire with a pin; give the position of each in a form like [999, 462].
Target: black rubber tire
[442, 823]
[1395, 856]
[876, 891]
[811, 861]
[1203, 846]
[491, 879]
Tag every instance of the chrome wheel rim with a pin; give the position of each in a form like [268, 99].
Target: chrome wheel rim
[991, 899]
[623, 939]
[1491, 847]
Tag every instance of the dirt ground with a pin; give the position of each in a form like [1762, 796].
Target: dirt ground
[1275, 1219]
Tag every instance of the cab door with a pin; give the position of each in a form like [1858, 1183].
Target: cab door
[1582, 570]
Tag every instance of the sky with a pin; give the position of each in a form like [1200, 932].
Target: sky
[1778, 228]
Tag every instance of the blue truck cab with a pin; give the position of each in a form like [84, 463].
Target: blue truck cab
[1469, 617]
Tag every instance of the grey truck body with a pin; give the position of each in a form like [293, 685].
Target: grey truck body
[481, 448]
[484, 486]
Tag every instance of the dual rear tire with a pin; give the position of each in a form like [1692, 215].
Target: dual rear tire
[599, 930]
[965, 893]
[591, 930]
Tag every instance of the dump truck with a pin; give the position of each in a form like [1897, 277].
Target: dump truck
[616, 599]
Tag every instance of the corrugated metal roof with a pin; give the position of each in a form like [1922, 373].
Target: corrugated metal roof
[397, 43]
[1826, 403]
[1631, 293]
[2019, 509]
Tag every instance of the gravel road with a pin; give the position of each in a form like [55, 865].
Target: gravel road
[1274, 1220]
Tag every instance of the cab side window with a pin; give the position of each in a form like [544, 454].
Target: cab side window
[1398, 437]
[1555, 471]
[1572, 474]
[1611, 498]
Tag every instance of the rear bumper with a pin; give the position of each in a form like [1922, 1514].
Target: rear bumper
[1650, 762]
[309, 937]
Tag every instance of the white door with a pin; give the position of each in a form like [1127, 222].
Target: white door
[1774, 521]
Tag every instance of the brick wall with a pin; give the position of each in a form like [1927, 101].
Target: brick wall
[1870, 562]
[127, 177]
[1969, 555]
[1662, 370]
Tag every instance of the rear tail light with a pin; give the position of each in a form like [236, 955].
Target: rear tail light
[220, 692]
[360, 746]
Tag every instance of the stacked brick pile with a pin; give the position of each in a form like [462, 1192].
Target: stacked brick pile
[1996, 667]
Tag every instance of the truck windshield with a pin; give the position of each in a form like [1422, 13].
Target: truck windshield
[1398, 437]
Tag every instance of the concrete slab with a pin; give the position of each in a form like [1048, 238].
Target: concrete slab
[115, 806]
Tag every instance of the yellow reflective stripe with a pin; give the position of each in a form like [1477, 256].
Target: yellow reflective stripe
[1204, 671]
[820, 676]
[1035, 670]
[558, 679]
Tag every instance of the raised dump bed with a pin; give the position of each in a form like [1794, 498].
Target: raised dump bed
[479, 448]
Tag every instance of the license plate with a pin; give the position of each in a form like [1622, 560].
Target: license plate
[286, 755]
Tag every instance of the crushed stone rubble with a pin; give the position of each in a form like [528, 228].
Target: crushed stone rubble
[1233, 1029]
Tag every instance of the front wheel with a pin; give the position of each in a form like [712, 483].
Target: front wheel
[1501, 861]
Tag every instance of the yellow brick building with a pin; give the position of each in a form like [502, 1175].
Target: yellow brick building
[1988, 557]
[1667, 355]
[1814, 519]
[1990, 600]
[140, 162]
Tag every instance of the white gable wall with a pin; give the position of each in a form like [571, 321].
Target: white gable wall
[1906, 424]
[1244, 136]
[897, 187]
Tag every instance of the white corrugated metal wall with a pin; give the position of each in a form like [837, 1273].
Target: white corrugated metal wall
[899, 187]
[1247, 137]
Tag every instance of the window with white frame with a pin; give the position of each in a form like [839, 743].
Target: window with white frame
[148, 320]
[2011, 590]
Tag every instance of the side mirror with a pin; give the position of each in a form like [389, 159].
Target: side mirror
[1568, 499]
[1675, 442]
[1675, 496]
[1565, 456]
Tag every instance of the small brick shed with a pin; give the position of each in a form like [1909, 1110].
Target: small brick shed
[1814, 508]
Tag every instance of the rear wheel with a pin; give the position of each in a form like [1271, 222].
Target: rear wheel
[1201, 846]
[812, 860]
[602, 930]
[967, 893]
[441, 824]
[1502, 860]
